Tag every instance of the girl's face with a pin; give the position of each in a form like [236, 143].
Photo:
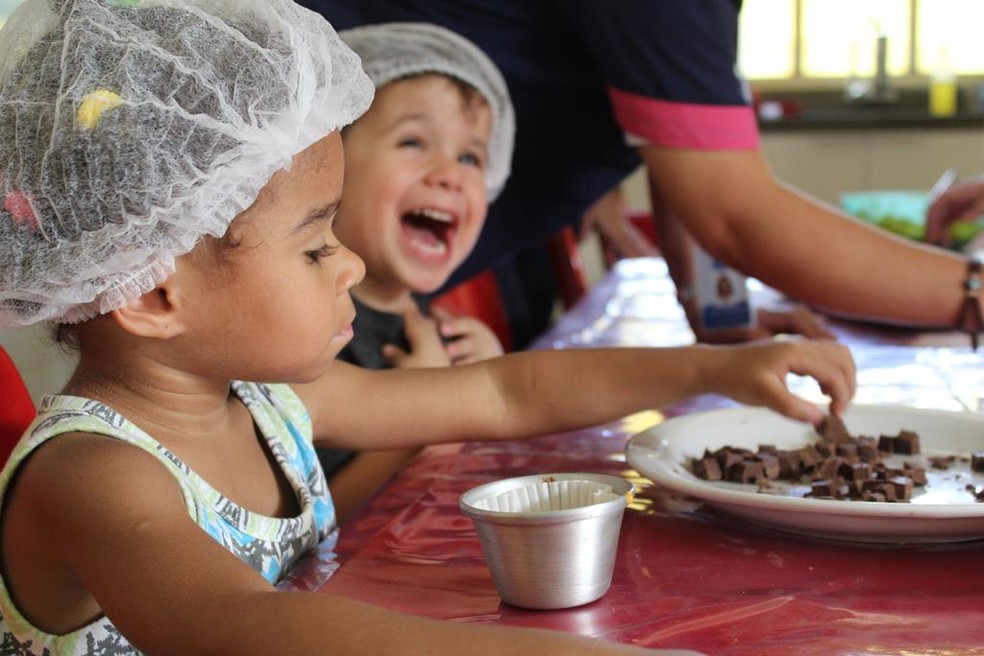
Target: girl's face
[275, 306]
[415, 196]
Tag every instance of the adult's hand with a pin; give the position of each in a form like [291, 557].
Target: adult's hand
[963, 202]
[798, 321]
[608, 217]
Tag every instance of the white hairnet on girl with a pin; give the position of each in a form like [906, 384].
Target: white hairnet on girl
[129, 129]
[391, 51]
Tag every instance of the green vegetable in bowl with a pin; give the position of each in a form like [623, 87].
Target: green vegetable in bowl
[902, 227]
[962, 233]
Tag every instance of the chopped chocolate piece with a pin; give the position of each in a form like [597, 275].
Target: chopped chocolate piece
[902, 486]
[907, 443]
[977, 461]
[746, 471]
[871, 484]
[828, 468]
[824, 449]
[832, 429]
[770, 465]
[886, 443]
[941, 462]
[810, 458]
[855, 471]
[790, 464]
[917, 474]
[768, 448]
[728, 459]
[823, 489]
[707, 469]
[848, 451]
[868, 449]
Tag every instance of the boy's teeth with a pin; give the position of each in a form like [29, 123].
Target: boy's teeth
[432, 247]
[437, 215]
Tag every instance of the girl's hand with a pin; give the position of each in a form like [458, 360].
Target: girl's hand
[426, 349]
[470, 340]
[756, 375]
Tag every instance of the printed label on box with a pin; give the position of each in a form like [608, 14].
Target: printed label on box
[722, 294]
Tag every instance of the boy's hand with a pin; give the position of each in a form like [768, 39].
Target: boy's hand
[469, 339]
[426, 349]
[756, 375]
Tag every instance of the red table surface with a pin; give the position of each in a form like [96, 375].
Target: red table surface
[685, 576]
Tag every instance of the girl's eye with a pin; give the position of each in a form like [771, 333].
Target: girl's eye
[316, 255]
[410, 142]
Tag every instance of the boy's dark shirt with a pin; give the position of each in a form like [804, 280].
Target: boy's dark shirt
[372, 329]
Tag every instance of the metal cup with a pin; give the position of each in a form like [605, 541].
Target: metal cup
[548, 559]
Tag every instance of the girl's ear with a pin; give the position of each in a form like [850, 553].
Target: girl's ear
[152, 315]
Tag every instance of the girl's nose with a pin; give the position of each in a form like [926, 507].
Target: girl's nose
[353, 269]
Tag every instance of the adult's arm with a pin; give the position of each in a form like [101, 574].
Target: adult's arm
[740, 213]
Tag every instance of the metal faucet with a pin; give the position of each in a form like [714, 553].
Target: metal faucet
[878, 90]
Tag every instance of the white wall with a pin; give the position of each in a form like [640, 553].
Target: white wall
[44, 366]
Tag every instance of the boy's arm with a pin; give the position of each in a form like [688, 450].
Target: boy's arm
[110, 516]
[537, 392]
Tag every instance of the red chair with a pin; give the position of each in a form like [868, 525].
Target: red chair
[479, 297]
[572, 283]
[16, 411]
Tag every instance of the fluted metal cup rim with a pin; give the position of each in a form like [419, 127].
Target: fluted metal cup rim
[621, 487]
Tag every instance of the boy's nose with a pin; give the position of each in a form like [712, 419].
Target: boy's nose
[444, 172]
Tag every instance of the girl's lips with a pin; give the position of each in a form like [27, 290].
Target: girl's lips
[345, 333]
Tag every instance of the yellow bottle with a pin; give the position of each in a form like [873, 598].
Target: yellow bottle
[942, 88]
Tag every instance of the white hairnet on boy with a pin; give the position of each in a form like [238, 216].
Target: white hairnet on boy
[391, 51]
[129, 129]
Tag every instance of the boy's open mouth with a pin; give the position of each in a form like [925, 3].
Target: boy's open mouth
[429, 230]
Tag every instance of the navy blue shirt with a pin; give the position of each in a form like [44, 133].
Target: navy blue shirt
[582, 75]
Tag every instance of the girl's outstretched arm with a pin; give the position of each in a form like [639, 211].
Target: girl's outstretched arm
[537, 392]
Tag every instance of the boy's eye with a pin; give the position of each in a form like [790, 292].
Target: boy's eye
[316, 255]
[470, 159]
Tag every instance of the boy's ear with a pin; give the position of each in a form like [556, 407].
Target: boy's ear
[151, 315]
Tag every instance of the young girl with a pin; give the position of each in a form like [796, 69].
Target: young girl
[170, 175]
[421, 166]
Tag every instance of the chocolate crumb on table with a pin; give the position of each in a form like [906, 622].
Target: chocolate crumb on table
[837, 466]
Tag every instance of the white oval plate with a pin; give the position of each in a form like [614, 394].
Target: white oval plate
[942, 511]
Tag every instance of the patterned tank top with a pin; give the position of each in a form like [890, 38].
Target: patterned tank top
[270, 545]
